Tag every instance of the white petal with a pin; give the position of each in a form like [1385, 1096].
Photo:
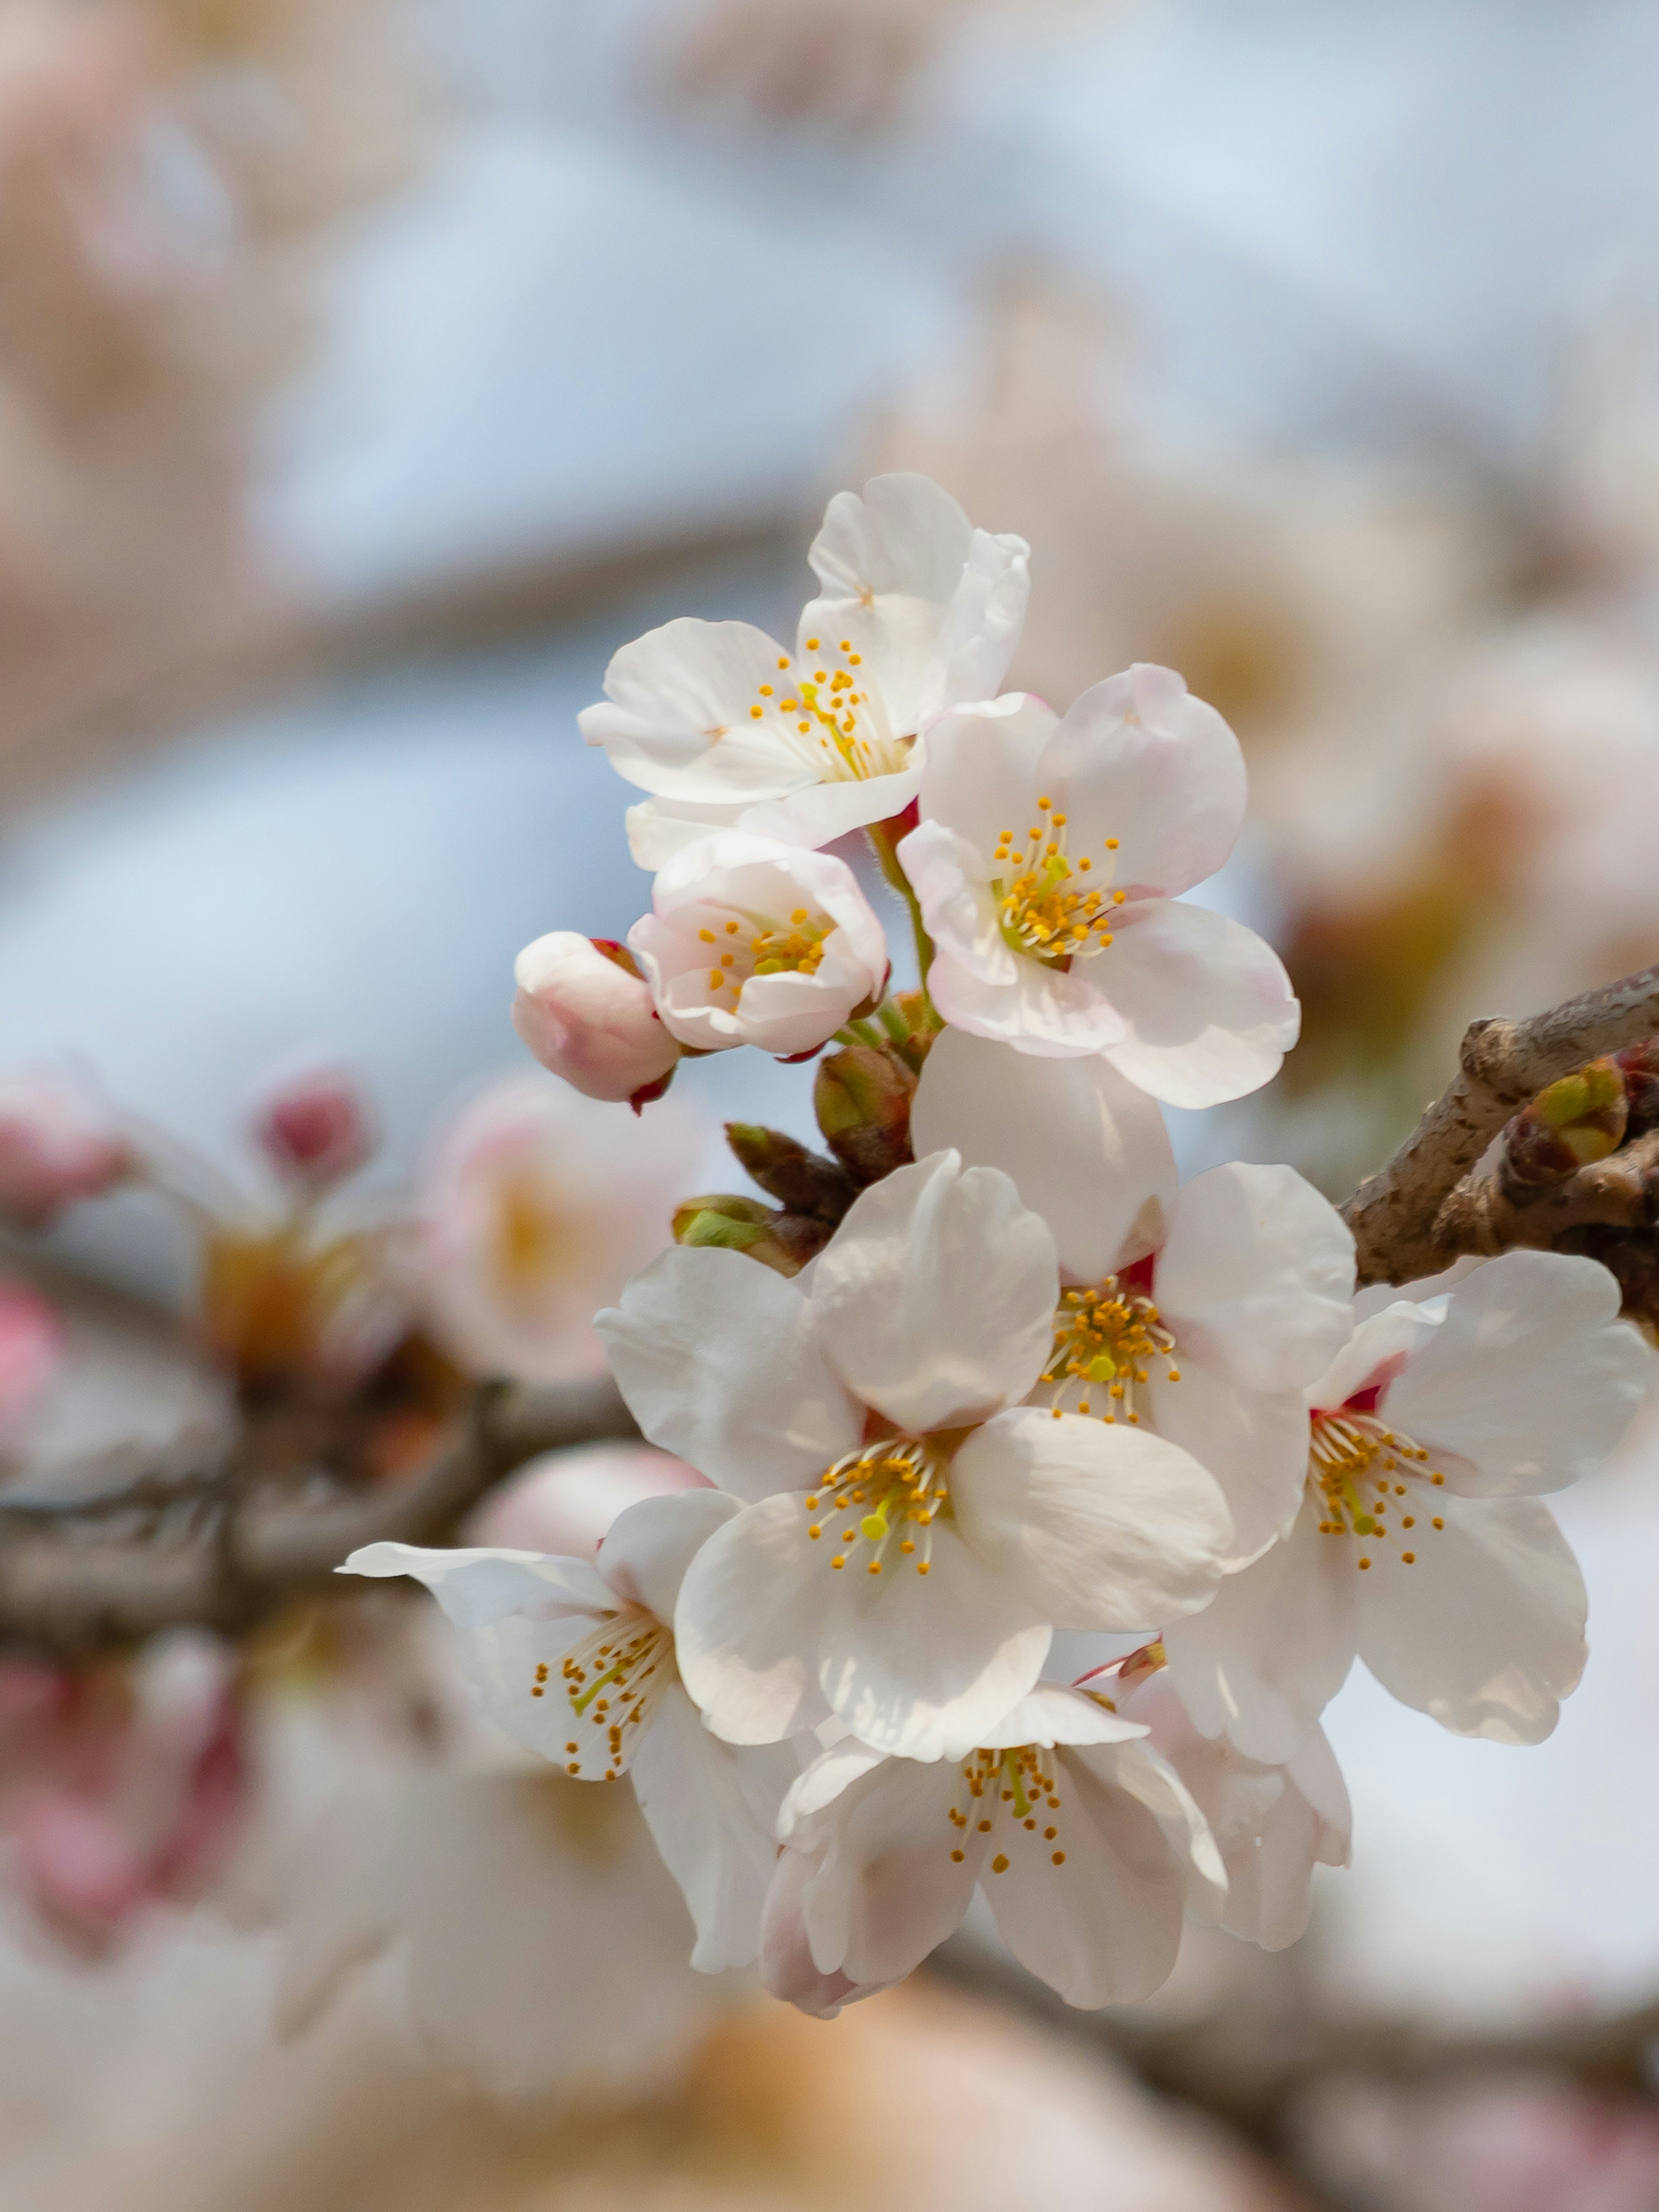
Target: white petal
[677, 719]
[823, 811]
[1139, 759]
[890, 564]
[935, 1297]
[711, 1809]
[1375, 1353]
[1055, 1713]
[752, 1615]
[644, 1557]
[1254, 1442]
[1263, 1661]
[1100, 1527]
[788, 1969]
[1104, 1926]
[483, 1584]
[982, 768]
[1256, 1274]
[1088, 1150]
[660, 827]
[886, 1890]
[951, 881]
[1209, 1007]
[1486, 1632]
[1037, 1010]
[981, 627]
[717, 1358]
[1532, 1377]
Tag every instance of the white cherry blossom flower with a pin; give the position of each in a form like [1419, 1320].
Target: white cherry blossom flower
[1201, 1312]
[1087, 1846]
[576, 1662]
[916, 1530]
[1272, 1824]
[752, 942]
[1421, 1547]
[918, 611]
[1046, 863]
[534, 1210]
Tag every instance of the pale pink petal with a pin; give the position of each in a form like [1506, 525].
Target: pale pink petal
[1039, 1010]
[678, 718]
[1254, 1442]
[980, 776]
[1210, 1010]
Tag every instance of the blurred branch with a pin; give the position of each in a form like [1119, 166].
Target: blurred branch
[254, 1538]
[1411, 1220]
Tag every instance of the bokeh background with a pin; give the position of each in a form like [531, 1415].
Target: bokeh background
[368, 373]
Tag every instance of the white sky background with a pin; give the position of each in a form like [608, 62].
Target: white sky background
[1333, 222]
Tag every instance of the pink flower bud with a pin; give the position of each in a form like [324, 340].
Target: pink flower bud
[316, 1130]
[31, 1352]
[54, 1149]
[587, 1016]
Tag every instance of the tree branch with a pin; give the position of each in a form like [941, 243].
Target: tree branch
[1396, 1214]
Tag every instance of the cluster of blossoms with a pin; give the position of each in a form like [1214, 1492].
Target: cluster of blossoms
[1045, 1502]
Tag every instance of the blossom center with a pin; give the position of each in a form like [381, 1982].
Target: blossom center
[887, 1498]
[1047, 906]
[1368, 1480]
[610, 1681]
[743, 945]
[1015, 1791]
[1108, 1340]
[831, 715]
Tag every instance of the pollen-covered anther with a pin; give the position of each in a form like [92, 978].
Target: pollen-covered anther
[1018, 1777]
[1349, 1448]
[1042, 909]
[903, 1482]
[610, 1679]
[841, 732]
[1107, 1339]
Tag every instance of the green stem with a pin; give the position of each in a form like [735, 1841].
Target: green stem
[886, 851]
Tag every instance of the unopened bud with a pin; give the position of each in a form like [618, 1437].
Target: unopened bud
[803, 1182]
[862, 1099]
[1638, 1064]
[317, 1130]
[54, 1149]
[1573, 1123]
[781, 1240]
[583, 1010]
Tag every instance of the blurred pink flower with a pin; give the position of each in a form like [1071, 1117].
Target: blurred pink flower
[537, 1208]
[54, 1149]
[564, 1502]
[317, 1129]
[122, 1790]
[31, 1353]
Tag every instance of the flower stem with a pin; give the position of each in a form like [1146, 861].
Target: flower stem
[885, 846]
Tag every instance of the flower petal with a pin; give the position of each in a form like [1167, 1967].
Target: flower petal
[718, 1360]
[1532, 1377]
[1139, 759]
[1099, 1527]
[1486, 1632]
[711, 1810]
[980, 776]
[1036, 1010]
[679, 718]
[752, 1617]
[1103, 1926]
[935, 1297]
[644, 1557]
[483, 1584]
[1055, 1713]
[1256, 1275]
[821, 812]
[982, 627]
[1254, 1442]
[660, 827]
[1376, 1351]
[1088, 1150]
[1262, 1662]
[1210, 1010]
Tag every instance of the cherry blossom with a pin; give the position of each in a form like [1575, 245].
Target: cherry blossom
[918, 611]
[32, 1348]
[577, 1664]
[1272, 1824]
[915, 1531]
[316, 1130]
[55, 1150]
[752, 942]
[565, 1502]
[1047, 862]
[1086, 1844]
[1200, 1313]
[586, 1012]
[534, 1210]
[1421, 1545]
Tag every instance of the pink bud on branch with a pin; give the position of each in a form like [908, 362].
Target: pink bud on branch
[584, 1011]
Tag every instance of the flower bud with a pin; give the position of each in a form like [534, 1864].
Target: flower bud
[1639, 1066]
[1573, 1123]
[316, 1130]
[804, 1181]
[31, 1353]
[583, 1011]
[783, 1241]
[54, 1149]
[862, 1099]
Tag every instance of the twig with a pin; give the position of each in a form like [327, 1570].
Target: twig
[1396, 1214]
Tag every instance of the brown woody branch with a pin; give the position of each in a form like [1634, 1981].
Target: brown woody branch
[248, 1541]
[1403, 1225]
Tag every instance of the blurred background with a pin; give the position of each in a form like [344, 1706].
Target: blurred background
[368, 373]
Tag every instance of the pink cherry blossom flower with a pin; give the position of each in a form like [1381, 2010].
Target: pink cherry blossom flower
[55, 1149]
[316, 1130]
[589, 1017]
